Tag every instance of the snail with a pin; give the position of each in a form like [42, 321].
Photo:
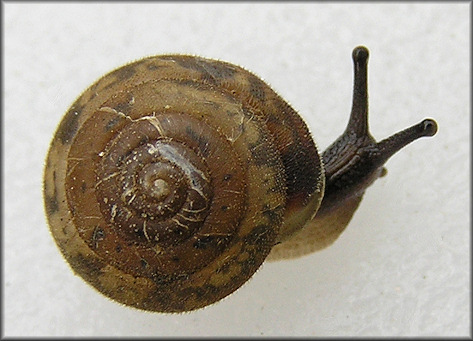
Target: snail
[170, 180]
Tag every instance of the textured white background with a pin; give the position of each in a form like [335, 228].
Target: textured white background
[403, 265]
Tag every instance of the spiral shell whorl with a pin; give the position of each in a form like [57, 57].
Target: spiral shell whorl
[163, 187]
[157, 183]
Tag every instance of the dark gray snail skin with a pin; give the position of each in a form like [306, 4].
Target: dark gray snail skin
[351, 164]
[355, 159]
[170, 180]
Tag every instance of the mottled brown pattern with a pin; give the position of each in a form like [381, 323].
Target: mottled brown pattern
[201, 141]
[152, 67]
[52, 205]
[272, 213]
[257, 88]
[89, 267]
[69, 125]
[300, 178]
[112, 123]
[217, 111]
[258, 235]
[205, 242]
[97, 236]
[50, 193]
[212, 72]
[121, 75]
[124, 107]
[303, 168]
[125, 73]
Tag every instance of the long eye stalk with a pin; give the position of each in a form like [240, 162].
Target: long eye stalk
[355, 159]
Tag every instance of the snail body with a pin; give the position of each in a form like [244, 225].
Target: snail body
[171, 179]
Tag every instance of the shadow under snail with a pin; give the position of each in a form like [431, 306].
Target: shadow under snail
[171, 179]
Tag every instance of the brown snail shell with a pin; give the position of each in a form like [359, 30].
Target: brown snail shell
[171, 179]
[165, 183]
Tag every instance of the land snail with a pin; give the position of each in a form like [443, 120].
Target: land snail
[172, 179]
